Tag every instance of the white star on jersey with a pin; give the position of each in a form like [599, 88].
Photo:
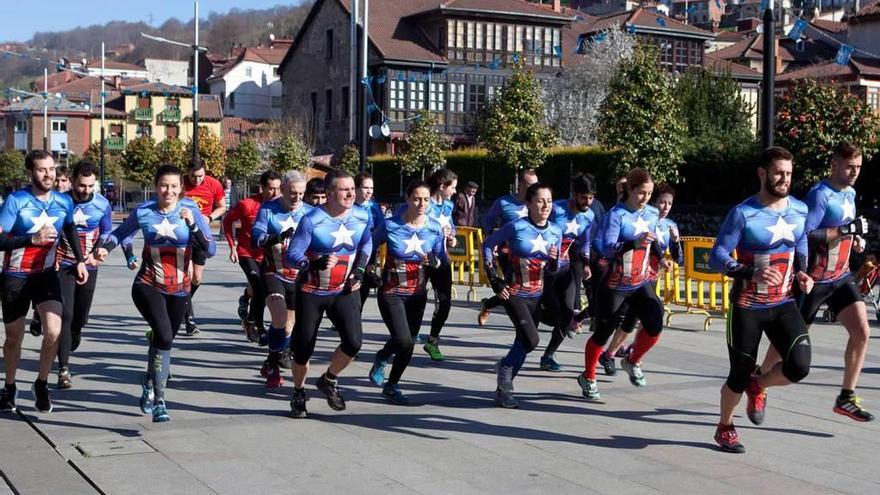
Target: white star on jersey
[539, 245]
[414, 244]
[80, 218]
[660, 234]
[443, 220]
[572, 227]
[342, 236]
[849, 210]
[782, 230]
[288, 223]
[522, 212]
[641, 226]
[165, 229]
[41, 221]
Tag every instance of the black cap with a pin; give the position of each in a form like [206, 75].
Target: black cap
[472, 184]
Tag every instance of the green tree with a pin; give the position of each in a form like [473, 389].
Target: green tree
[290, 153]
[425, 146]
[11, 168]
[114, 163]
[211, 152]
[813, 118]
[173, 151]
[245, 160]
[640, 118]
[349, 160]
[512, 126]
[715, 115]
[141, 160]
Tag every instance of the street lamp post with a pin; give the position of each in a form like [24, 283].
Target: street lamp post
[767, 94]
[103, 137]
[365, 114]
[45, 109]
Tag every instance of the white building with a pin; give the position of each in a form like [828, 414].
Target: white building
[249, 85]
[174, 72]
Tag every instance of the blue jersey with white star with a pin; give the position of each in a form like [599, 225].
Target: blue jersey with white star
[93, 220]
[663, 232]
[629, 266]
[22, 215]
[318, 235]
[576, 229]
[507, 208]
[408, 247]
[168, 242]
[830, 208]
[375, 212]
[273, 218]
[761, 237]
[530, 248]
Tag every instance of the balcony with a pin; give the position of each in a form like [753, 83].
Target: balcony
[143, 114]
[171, 115]
[115, 143]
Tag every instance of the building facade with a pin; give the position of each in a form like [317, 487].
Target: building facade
[249, 85]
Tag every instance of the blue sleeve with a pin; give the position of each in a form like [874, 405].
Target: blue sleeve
[299, 243]
[492, 216]
[204, 237]
[365, 248]
[439, 247]
[68, 218]
[817, 203]
[380, 236]
[585, 237]
[260, 230]
[802, 250]
[106, 224]
[675, 248]
[378, 217]
[611, 235]
[124, 233]
[498, 237]
[9, 213]
[728, 239]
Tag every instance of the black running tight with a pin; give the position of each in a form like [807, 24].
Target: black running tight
[163, 312]
[343, 309]
[441, 281]
[77, 301]
[403, 316]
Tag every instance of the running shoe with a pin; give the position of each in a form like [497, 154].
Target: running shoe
[377, 371]
[191, 328]
[728, 440]
[550, 364]
[64, 378]
[250, 333]
[7, 399]
[264, 370]
[274, 378]
[147, 396]
[263, 339]
[607, 362]
[433, 350]
[505, 399]
[623, 351]
[757, 401]
[160, 414]
[483, 317]
[243, 302]
[298, 404]
[852, 407]
[420, 339]
[286, 358]
[634, 370]
[328, 388]
[574, 325]
[41, 398]
[392, 391]
[589, 388]
[36, 327]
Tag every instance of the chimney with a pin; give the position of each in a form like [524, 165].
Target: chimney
[117, 82]
[557, 6]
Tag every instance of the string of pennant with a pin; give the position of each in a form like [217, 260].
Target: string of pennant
[844, 51]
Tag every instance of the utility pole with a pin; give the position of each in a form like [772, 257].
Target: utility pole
[365, 114]
[353, 84]
[103, 137]
[768, 121]
[45, 109]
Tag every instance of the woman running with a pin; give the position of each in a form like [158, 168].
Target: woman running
[415, 244]
[171, 228]
[534, 244]
[442, 183]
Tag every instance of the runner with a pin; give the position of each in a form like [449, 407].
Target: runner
[363, 183]
[209, 196]
[534, 244]
[667, 238]
[93, 220]
[575, 219]
[833, 229]
[768, 233]
[507, 209]
[415, 244]
[627, 239]
[37, 213]
[171, 228]
[62, 179]
[442, 183]
[315, 193]
[331, 248]
[276, 222]
[252, 303]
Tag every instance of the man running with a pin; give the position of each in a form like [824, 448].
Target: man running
[768, 232]
[252, 303]
[315, 193]
[276, 222]
[93, 219]
[29, 275]
[833, 229]
[331, 248]
[208, 194]
[363, 183]
[62, 179]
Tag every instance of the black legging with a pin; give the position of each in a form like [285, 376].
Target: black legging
[343, 309]
[558, 303]
[441, 281]
[77, 302]
[643, 301]
[506, 269]
[403, 317]
[523, 313]
[163, 312]
[251, 270]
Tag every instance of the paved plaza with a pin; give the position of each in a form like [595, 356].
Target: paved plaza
[229, 435]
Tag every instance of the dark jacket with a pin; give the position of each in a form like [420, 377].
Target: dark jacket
[464, 214]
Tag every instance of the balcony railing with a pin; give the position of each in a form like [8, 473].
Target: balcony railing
[170, 115]
[143, 114]
[116, 143]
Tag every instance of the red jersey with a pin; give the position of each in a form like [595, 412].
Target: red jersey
[245, 211]
[207, 195]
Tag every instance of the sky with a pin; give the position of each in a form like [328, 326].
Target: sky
[21, 20]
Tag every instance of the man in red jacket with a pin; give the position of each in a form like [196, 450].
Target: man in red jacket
[248, 257]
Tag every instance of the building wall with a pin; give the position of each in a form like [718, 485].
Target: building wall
[257, 96]
[167, 71]
[865, 35]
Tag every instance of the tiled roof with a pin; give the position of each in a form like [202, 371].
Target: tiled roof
[737, 71]
[95, 63]
[34, 104]
[829, 26]
[235, 129]
[729, 36]
[870, 10]
[857, 67]
[516, 7]
[645, 19]
[753, 48]
[209, 108]
[262, 55]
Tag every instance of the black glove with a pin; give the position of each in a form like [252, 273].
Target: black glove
[858, 226]
[357, 275]
[373, 279]
[497, 285]
[321, 263]
[432, 261]
[284, 235]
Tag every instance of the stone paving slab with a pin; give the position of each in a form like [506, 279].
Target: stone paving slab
[229, 435]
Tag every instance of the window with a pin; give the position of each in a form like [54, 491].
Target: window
[275, 72]
[518, 44]
[416, 95]
[459, 34]
[59, 126]
[397, 96]
[437, 97]
[328, 44]
[143, 102]
[328, 105]
[144, 130]
[456, 97]
[510, 38]
[116, 130]
[248, 72]
[498, 30]
[21, 126]
[476, 97]
[490, 36]
[232, 100]
[346, 108]
[873, 100]
[172, 132]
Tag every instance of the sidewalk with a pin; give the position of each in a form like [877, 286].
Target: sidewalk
[228, 435]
